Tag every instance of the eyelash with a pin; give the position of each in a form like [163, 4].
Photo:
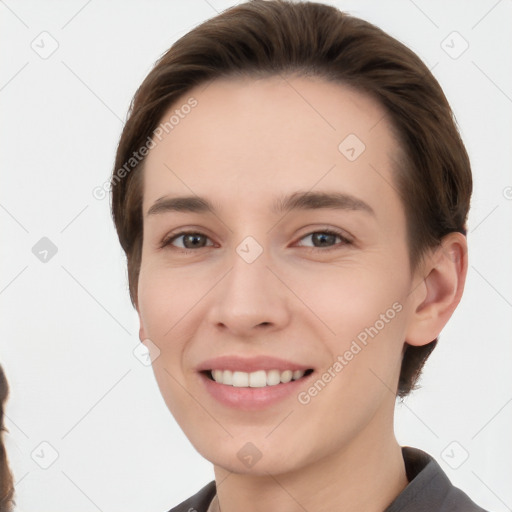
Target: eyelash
[344, 240]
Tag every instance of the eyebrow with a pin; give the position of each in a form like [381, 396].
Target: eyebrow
[296, 201]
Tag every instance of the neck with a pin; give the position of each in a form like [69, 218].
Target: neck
[368, 475]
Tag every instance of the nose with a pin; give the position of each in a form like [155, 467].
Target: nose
[250, 299]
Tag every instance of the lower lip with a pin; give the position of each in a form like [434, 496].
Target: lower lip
[252, 399]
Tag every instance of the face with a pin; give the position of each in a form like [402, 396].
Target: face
[288, 260]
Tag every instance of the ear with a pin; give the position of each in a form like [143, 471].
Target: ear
[142, 333]
[440, 291]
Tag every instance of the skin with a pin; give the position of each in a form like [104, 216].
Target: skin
[247, 142]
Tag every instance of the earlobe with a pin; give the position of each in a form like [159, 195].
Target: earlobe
[445, 270]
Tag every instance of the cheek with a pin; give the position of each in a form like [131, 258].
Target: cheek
[365, 312]
[351, 299]
[166, 297]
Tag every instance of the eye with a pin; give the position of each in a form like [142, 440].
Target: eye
[325, 239]
[188, 240]
[319, 240]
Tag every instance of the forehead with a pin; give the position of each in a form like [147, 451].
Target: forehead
[275, 134]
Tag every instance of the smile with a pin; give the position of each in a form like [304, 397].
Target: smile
[256, 379]
[253, 383]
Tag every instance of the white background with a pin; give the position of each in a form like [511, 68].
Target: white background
[68, 330]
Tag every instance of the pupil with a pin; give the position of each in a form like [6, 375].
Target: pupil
[322, 238]
[194, 240]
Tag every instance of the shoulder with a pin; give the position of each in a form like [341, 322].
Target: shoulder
[458, 501]
[429, 487]
[199, 502]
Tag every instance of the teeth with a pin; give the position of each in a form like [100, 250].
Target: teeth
[297, 374]
[226, 376]
[257, 379]
[240, 380]
[286, 376]
[273, 377]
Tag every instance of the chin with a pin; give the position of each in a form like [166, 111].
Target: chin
[262, 467]
[259, 458]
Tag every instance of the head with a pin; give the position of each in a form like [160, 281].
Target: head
[6, 482]
[264, 102]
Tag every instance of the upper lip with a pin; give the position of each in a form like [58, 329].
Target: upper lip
[249, 364]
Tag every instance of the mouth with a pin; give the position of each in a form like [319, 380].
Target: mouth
[255, 379]
[253, 383]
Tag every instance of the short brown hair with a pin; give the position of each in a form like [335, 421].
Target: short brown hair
[266, 38]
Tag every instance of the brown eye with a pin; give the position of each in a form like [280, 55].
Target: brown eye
[187, 240]
[327, 239]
